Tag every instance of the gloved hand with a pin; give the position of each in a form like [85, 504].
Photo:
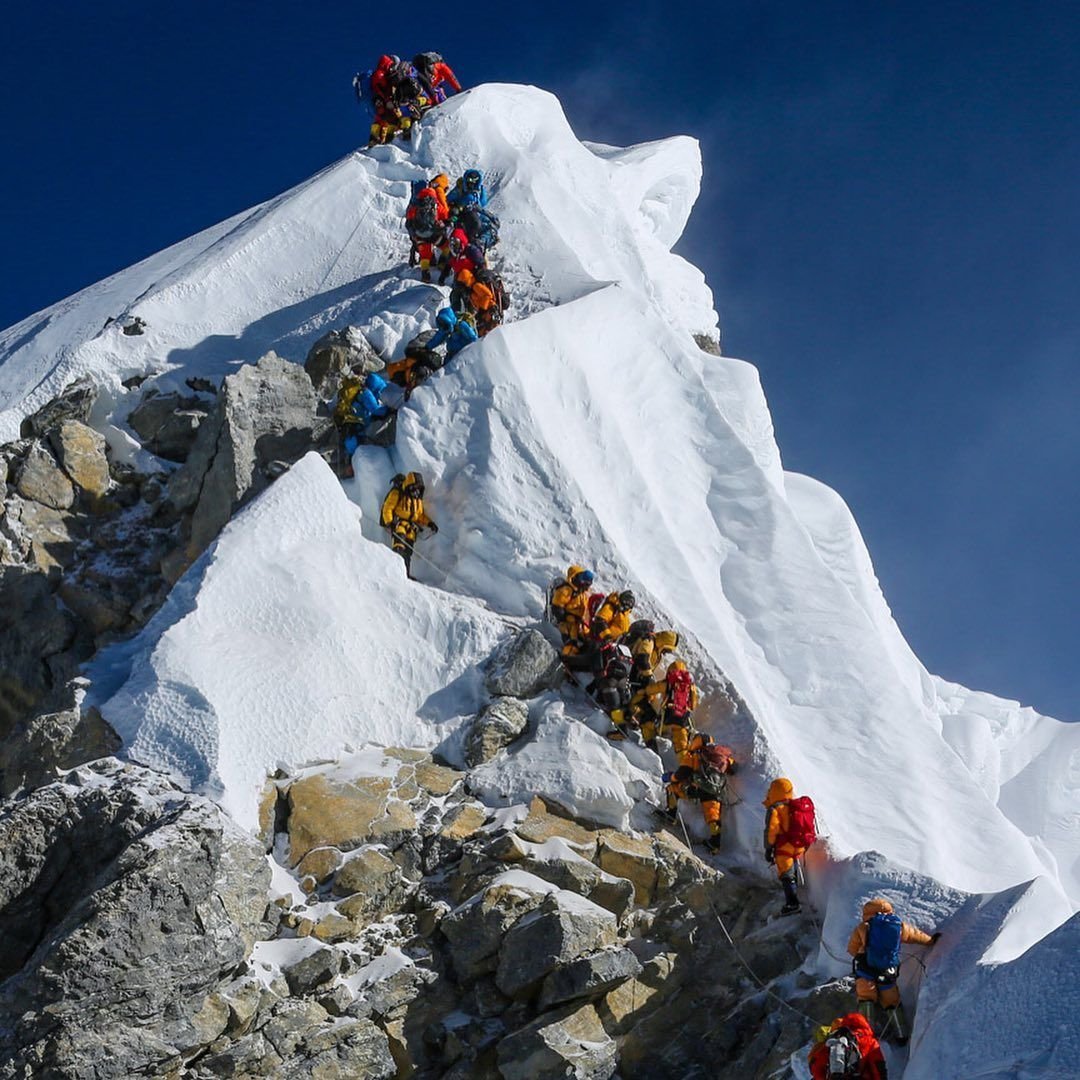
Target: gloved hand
[935, 937]
[433, 527]
[733, 768]
[668, 777]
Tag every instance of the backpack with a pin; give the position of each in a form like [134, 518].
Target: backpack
[640, 628]
[802, 824]
[679, 686]
[845, 1058]
[595, 602]
[425, 62]
[350, 387]
[425, 222]
[711, 775]
[883, 934]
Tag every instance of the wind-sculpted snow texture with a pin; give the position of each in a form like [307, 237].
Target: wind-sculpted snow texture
[292, 638]
[589, 428]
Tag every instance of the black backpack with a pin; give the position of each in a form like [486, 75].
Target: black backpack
[425, 222]
[639, 628]
[425, 62]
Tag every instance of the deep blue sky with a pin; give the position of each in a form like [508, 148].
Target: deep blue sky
[890, 223]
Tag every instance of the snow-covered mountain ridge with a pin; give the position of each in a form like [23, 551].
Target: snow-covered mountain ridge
[590, 428]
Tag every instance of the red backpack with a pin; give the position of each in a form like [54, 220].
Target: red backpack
[679, 685]
[802, 824]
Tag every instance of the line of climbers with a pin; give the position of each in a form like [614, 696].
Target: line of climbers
[452, 230]
[621, 654]
[399, 92]
[449, 228]
[848, 1047]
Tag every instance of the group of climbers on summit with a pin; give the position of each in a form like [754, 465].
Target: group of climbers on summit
[399, 92]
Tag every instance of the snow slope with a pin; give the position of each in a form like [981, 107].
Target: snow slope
[589, 428]
[290, 639]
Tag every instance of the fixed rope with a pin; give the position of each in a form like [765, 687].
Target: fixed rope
[731, 941]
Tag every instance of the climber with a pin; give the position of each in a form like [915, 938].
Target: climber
[666, 707]
[568, 603]
[480, 226]
[441, 185]
[433, 71]
[875, 945]
[790, 829]
[611, 692]
[358, 406]
[486, 297]
[425, 221]
[419, 363]
[459, 256]
[389, 121]
[613, 617]
[704, 768]
[468, 191]
[381, 86]
[406, 89]
[455, 330]
[404, 515]
[846, 1049]
[648, 646]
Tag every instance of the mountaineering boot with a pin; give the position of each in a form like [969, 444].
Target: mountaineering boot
[791, 895]
[713, 843]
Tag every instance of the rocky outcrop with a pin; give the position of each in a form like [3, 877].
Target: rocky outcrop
[563, 928]
[263, 419]
[168, 423]
[123, 901]
[74, 403]
[335, 355]
[523, 666]
[40, 479]
[81, 452]
[36, 749]
[496, 726]
[570, 1042]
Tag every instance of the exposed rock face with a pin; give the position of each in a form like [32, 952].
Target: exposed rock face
[563, 928]
[35, 636]
[264, 414]
[168, 423]
[334, 355]
[498, 724]
[41, 480]
[571, 1042]
[74, 403]
[523, 666]
[122, 903]
[324, 812]
[589, 977]
[81, 452]
[37, 748]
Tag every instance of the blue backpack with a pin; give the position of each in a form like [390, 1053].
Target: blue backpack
[883, 934]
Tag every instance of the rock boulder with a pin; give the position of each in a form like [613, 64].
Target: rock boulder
[497, 725]
[123, 901]
[523, 666]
